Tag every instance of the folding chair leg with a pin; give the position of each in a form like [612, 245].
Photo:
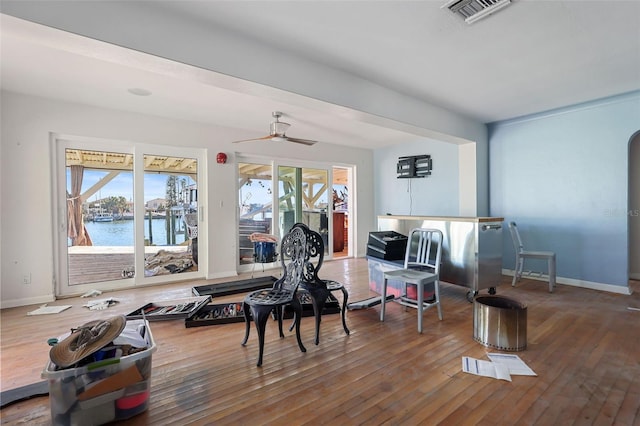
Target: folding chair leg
[517, 272]
[420, 290]
[436, 287]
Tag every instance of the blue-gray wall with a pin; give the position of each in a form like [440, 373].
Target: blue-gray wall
[563, 177]
[435, 195]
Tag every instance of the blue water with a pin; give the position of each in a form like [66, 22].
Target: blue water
[120, 232]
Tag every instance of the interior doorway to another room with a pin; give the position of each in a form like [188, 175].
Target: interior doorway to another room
[341, 209]
[633, 211]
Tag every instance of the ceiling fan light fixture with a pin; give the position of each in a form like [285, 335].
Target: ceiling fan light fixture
[279, 139]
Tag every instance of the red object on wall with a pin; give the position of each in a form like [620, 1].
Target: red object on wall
[221, 158]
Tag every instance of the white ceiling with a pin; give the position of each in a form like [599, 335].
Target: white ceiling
[530, 57]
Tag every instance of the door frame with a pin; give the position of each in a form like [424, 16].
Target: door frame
[59, 143]
[633, 207]
[275, 227]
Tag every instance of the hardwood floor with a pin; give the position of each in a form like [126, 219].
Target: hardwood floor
[583, 344]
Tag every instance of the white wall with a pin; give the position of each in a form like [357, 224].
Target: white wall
[468, 178]
[26, 193]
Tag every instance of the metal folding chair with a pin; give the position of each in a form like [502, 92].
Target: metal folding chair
[522, 255]
[421, 268]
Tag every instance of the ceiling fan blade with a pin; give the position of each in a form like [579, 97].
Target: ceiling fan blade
[277, 133]
[255, 139]
[307, 142]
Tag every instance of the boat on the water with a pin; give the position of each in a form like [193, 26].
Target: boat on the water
[103, 217]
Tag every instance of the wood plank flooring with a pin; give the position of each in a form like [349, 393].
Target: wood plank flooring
[583, 344]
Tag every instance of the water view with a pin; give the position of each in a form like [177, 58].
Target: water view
[120, 232]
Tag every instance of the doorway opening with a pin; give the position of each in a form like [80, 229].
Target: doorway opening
[633, 209]
[341, 204]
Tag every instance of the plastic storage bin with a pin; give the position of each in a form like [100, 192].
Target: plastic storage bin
[104, 391]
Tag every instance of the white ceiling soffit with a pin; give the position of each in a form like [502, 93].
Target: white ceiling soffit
[531, 57]
[104, 75]
[474, 10]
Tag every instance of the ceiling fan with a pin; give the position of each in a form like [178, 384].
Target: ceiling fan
[277, 133]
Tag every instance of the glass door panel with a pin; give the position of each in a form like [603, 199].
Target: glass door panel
[171, 215]
[255, 199]
[99, 210]
[289, 198]
[304, 197]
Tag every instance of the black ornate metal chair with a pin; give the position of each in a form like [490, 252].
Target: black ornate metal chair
[318, 288]
[259, 304]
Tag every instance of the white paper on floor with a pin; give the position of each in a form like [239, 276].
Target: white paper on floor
[501, 366]
[45, 310]
[517, 366]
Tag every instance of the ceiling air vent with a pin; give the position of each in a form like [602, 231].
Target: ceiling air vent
[474, 10]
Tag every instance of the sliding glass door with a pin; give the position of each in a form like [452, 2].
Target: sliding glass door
[273, 197]
[303, 196]
[128, 215]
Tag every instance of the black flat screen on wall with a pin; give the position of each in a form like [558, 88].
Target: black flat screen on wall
[415, 166]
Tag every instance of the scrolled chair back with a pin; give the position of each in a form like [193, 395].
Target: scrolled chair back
[293, 252]
[315, 255]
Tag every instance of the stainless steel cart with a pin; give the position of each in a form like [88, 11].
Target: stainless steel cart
[472, 248]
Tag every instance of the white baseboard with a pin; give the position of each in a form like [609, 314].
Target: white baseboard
[576, 283]
[634, 275]
[232, 274]
[27, 301]
[225, 274]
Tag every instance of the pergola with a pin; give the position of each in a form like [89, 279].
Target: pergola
[114, 163]
[314, 182]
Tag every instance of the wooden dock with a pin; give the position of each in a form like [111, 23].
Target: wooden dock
[88, 268]
[96, 264]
